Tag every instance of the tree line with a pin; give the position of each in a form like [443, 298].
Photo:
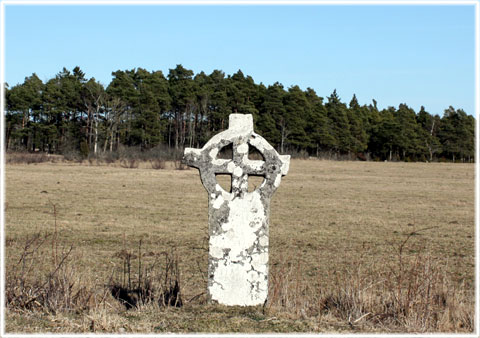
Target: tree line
[138, 108]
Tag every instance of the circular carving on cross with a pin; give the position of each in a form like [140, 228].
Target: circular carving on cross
[240, 134]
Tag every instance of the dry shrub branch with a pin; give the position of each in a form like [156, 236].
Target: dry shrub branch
[34, 282]
[58, 287]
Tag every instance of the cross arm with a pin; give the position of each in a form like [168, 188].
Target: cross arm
[285, 163]
[192, 157]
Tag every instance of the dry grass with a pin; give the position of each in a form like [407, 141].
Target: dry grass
[337, 258]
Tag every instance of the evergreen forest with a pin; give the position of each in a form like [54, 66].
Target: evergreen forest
[142, 110]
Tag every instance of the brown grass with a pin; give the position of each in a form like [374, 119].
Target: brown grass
[338, 257]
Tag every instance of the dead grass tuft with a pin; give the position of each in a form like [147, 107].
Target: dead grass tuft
[411, 293]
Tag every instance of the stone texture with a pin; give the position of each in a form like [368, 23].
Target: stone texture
[238, 219]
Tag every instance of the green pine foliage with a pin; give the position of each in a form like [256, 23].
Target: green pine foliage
[145, 109]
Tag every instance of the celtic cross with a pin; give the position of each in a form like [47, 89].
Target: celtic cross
[238, 219]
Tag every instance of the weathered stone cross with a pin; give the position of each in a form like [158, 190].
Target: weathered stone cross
[238, 219]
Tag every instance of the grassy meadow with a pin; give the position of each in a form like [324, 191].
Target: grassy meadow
[354, 247]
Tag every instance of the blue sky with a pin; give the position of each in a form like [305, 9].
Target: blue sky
[419, 55]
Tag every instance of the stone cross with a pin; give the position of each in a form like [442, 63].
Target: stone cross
[238, 219]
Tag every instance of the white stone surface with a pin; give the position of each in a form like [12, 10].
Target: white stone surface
[240, 271]
[237, 171]
[243, 148]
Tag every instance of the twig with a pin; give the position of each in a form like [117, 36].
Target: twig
[54, 239]
[361, 317]
[267, 320]
[195, 297]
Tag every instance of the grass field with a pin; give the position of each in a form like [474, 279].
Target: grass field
[354, 247]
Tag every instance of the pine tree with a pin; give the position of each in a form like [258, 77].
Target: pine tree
[337, 113]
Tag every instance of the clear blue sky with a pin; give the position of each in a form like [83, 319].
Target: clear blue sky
[419, 55]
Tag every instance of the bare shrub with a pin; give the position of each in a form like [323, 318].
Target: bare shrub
[150, 282]
[72, 155]
[127, 153]
[26, 158]
[157, 164]
[109, 157]
[48, 281]
[93, 160]
[180, 165]
[294, 153]
[60, 288]
[163, 152]
[129, 163]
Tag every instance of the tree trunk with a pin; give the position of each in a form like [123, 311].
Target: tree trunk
[169, 132]
[89, 128]
[34, 134]
[7, 139]
[112, 136]
[96, 132]
[184, 126]
[177, 122]
[106, 142]
[282, 140]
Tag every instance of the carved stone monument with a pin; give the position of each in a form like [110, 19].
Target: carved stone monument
[238, 219]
